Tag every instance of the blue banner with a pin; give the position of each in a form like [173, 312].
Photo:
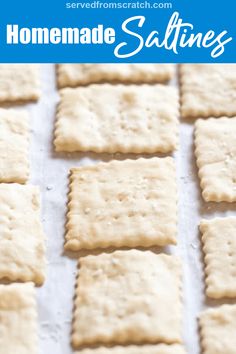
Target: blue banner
[118, 31]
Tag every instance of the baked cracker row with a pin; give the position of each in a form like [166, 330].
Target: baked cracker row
[117, 118]
[132, 349]
[84, 74]
[208, 90]
[122, 203]
[128, 297]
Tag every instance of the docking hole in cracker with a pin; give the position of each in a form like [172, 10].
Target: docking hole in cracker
[18, 319]
[219, 247]
[84, 74]
[208, 90]
[128, 297]
[215, 150]
[19, 82]
[117, 118]
[22, 249]
[122, 203]
[14, 146]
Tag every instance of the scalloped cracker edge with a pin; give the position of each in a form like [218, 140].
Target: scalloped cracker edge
[84, 74]
[132, 349]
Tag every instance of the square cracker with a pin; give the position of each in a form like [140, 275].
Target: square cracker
[22, 251]
[128, 297]
[217, 328]
[132, 349]
[219, 245]
[122, 203]
[216, 158]
[83, 74]
[14, 146]
[208, 90]
[126, 119]
[19, 82]
[18, 319]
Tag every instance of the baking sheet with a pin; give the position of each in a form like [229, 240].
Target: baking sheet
[49, 170]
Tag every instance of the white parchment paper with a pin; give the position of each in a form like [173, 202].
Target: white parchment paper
[50, 171]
